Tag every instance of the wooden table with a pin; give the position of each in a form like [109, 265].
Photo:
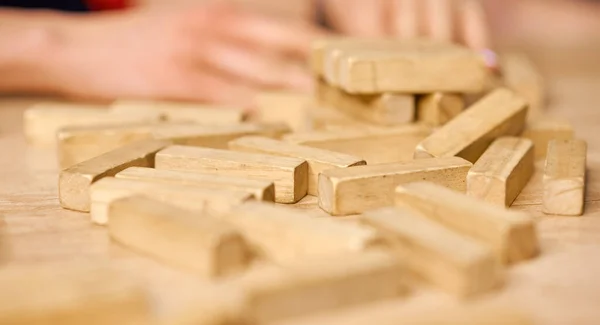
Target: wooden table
[561, 286]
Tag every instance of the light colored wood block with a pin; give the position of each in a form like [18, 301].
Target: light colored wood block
[74, 182]
[358, 189]
[501, 113]
[502, 171]
[259, 189]
[284, 234]
[191, 240]
[324, 117]
[438, 109]
[545, 129]
[510, 235]
[564, 178]
[522, 76]
[214, 201]
[318, 159]
[290, 175]
[71, 295]
[285, 107]
[450, 261]
[376, 146]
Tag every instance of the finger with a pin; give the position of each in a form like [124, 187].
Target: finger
[357, 17]
[439, 19]
[475, 30]
[404, 21]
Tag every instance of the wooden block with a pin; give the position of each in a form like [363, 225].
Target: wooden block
[454, 263]
[546, 129]
[290, 175]
[376, 146]
[284, 234]
[71, 295]
[285, 107]
[564, 178]
[502, 171]
[523, 77]
[192, 198]
[318, 159]
[510, 235]
[195, 241]
[438, 109]
[299, 288]
[259, 189]
[358, 189]
[501, 113]
[324, 117]
[74, 182]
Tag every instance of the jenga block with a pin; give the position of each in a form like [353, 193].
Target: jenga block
[452, 262]
[510, 235]
[259, 189]
[502, 171]
[74, 182]
[285, 107]
[376, 146]
[522, 77]
[438, 108]
[358, 189]
[501, 113]
[192, 198]
[564, 178]
[284, 234]
[71, 295]
[195, 241]
[298, 288]
[546, 129]
[324, 117]
[318, 159]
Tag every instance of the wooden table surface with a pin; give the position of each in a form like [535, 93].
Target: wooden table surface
[561, 286]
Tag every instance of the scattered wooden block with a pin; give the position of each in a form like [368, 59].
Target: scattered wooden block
[376, 146]
[259, 189]
[285, 107]
[564, 178]
[501, 113]
[74, 182]
[318, 159]
[510, 235]
[290, 175]
[522, 77]
[358, 189]
[546, 129]
[438, 109]
[502, 171]
[452, 262]
[192, 198]
[195, 241]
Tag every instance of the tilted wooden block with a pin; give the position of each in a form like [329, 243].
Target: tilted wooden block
[542, 131]
[564, 178]
[318, 159]
[285, 107]
[522, 77]
[376, 146]
[290, 175]
[74, 182]
[107, 190]
[71, 294]
[510, 235]
[442, 257]
[438, 109]
[501, 113]
[502, 171]
[284, 234]
[358, 189]
[195, 241]
[259, 189]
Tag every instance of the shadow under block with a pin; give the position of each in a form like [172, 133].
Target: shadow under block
[564, 178]
[501, 113]
[438, 108]
[318, 159]
[284, 234]
[362, 188]
[375, 146]
[107, 190]
[74, 182]
[542, 131]
[448, 260]
[511, 235]
[71, 295]
[502, 171]
[260, 190]
[290, 175]
[285, 107]
[522, 76]
[201, 243]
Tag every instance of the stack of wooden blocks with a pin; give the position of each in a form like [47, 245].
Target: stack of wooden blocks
[387, 139]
